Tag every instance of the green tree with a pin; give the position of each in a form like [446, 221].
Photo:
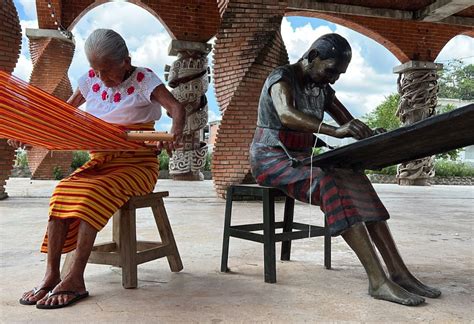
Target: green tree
[454, 154]
[456, 81]
[384, 114]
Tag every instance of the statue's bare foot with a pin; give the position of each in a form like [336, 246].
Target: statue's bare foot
[390, 291]
[415, 286]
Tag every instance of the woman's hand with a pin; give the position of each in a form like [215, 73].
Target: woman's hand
[355, 128]
[179, 116]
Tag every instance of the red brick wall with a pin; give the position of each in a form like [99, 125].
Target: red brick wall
[248, 47]
[51, 59]
[10, 44]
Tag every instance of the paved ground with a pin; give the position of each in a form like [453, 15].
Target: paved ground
[433, 227]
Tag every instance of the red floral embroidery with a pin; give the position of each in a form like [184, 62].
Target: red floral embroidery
[131, 90]
[91, 73]
[104, 95]
[117, 97]
[140, 76]
[96, 87]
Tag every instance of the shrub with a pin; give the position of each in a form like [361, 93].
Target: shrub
[390, 170]
[208, 164]
[447, 168]
[57, 173]
[21, 160]
[79, 158]
[164, 160]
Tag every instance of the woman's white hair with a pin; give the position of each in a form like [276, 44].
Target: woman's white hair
[106, 44]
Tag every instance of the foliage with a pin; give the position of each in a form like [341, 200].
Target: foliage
[446, 168]
[21, 160]
[164, 160]
[384, 114]
[79, 158]
[443, 168]
[208, 164]
[57, 173]
[390, 170]
[453, 154]
[456, 81]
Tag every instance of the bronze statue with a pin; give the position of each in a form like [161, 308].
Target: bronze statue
[291, 108]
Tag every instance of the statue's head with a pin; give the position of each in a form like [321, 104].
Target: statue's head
[108, 56]
[327, 58]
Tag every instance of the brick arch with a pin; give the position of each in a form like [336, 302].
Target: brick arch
[184, 20]
[469, 33]
[392, 47]
[406, 39]
[95, 4]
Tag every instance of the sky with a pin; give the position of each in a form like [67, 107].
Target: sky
[368, 80]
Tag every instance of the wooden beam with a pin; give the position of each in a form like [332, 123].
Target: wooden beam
[334, 8]
[441, 9]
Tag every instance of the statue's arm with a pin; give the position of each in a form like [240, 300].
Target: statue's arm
[292, 118]
[339, 112]
[282, 96]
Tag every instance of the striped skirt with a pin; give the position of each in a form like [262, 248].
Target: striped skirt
[95, 191]
[344, 196]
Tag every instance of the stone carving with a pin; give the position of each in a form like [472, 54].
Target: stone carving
[418, 88]
[189, 78]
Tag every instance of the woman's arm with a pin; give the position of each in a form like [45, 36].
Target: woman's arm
[283, 100]
[76, 99]
[174, 108]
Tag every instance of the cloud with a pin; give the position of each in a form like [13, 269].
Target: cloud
[459, 47]
[29, 8]
[366, 82]
[24, 65]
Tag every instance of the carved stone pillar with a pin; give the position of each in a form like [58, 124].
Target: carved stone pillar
[189, 78]
[10, 45]
[418, 88]
[51, 53]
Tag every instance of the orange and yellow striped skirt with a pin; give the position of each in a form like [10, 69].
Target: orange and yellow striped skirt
[95, 191]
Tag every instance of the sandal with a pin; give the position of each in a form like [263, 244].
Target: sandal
[35, 291]
[77, 297]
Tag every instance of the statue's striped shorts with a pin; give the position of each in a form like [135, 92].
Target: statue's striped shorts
[94, 192]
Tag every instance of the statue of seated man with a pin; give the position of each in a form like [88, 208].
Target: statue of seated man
[291, 108]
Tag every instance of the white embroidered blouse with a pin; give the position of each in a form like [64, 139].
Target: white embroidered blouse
[128, 103]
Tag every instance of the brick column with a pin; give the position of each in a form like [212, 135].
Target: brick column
[51, 53]
[248, 47]
[10, 45]
[418, 89]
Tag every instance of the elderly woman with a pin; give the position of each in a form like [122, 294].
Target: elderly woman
[291, 108]
[125, 95]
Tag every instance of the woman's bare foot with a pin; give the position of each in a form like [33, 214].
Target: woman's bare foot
[415, 286]
[32, 296]
[68, 284]
[390, 291]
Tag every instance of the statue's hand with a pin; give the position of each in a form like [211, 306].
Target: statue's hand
[355, 128]
[379, 130]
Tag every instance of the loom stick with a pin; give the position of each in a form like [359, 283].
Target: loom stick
[149, 136]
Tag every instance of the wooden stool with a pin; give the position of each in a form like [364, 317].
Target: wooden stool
[269, 237]
[125, 251]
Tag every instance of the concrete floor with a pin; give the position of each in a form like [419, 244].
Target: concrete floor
[432, 225]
